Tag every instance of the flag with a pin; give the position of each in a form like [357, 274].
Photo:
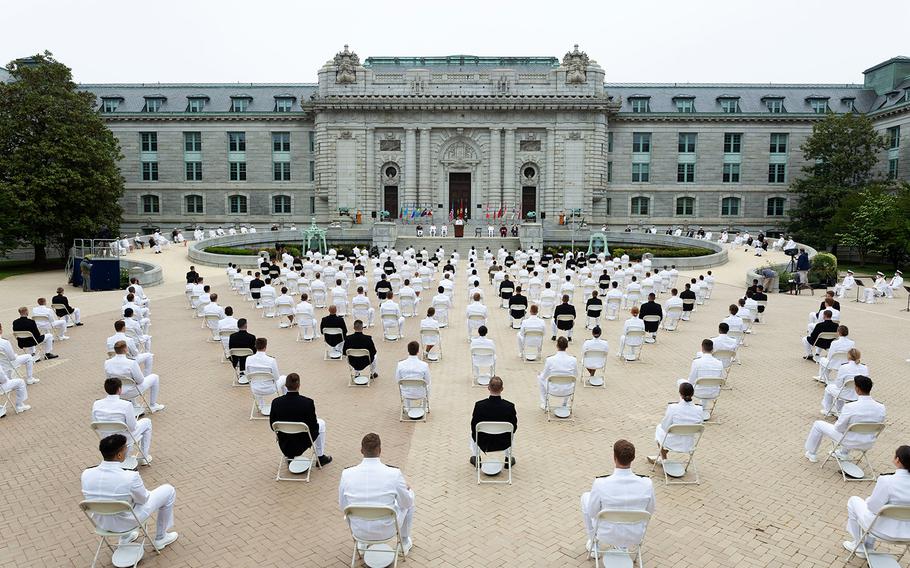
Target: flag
[401, 212]
[451, 214]
[429, 212]
[502, 207]
[414, 213]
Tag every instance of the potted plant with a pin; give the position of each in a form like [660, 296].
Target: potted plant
[344, 211]
[384, 215]
[531, 216]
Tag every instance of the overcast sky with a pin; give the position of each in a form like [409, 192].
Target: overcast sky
[263, 41]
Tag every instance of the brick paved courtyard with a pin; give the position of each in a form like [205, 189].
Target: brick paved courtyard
[760, 502]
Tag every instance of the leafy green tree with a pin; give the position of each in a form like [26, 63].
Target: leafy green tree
[842, 151]
[896, 245]
[863, 218]
[58, 162]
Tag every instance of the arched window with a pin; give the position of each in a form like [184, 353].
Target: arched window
[640, 205]
[730, 206]
[237, 204]
[685, 206]
[151, 204]
[281, 204]
[776, 207]
[194, 204]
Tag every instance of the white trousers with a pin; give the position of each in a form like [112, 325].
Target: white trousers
[161, 500]
[870, 294]
[24, 359]
[17, 385]
[831, 392]
[145, 361]
[76, 315]
[622, 347]
[263, 398]
[319, 442]
[810, 350]
[820, 429]
[556, 330]
[48, 344]
[59, 325]
[143, 433]
[150, 385]
[859, 516]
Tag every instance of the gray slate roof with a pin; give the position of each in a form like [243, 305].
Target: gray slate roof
[219, 95]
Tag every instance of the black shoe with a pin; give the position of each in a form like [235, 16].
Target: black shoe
[809, 358]
[325, 459]
[79, 324]
[49, 356]
[553, 338]
[570, 339]
[473, 461]
[509, 464]
[375, 375]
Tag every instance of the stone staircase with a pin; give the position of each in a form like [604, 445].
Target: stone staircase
[451, 244]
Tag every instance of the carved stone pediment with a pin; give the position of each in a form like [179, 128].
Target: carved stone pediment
[346, 63]
[576, 64]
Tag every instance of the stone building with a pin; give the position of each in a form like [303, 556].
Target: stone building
[480, 136]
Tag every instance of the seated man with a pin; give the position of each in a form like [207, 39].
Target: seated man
[444, 230]
[373, 483]
[294, 407]
[442, 304]
[286, 302]
[595, 343]
[430, 322]
[493, 409]
[24, 323]
[813, 344]
[705, 364]
[359, 340]
[109, 481]
[390, 307]
[8, 384]
[227, 324]
[842, 344]
[261, 361]
[651, 308]
[242, 339]
[848, 283]
[476, 308]
[621, 490]
[518, 304]
[360, 303]
[722, 340]
[333, 320]
[432, 230]
[593, 308]
[563, 309]
[863, 409]
[733, 320]
[113, 408]
[682, 412]
[59, 324]
[212, 308]
[687, 294]
[815, 317]
[145, 360]
[877, 290]
[483, 341]
[15, 361]
[560, 363]
[895, 284]
[506, 288]
[413, 368]
[632, 323]
[121, 366]
[532, 322]
[849, 370]
[67, 309]
[305, 315]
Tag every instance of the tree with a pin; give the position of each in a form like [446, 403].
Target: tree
[842, 151]
[863, 217]
[58, 162]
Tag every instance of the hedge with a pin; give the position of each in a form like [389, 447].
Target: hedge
[636, 253]
[231, 250]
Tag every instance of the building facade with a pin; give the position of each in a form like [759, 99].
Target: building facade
[480, 136]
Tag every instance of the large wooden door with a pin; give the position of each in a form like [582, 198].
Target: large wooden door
[528, 200]
[460, 193]
[390, 201]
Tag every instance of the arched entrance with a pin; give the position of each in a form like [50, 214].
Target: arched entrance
[460, 160]
[390, 173]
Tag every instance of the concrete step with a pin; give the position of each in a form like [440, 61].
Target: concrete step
[462, 245]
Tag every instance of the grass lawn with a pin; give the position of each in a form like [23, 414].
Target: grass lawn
[869, 269]
[14, 267]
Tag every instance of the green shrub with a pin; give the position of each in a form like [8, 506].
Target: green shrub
[124, 278]
[824, 269]
[231, 250]
[637, 252]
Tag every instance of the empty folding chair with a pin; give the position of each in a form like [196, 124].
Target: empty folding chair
[533, 344]
[300, 464]
[854, 468]
[483, 365]
[593, 358]
[591, 321]
[359, 377]
[239, 380]
[262, 404]
[678, 468]
[434, 338]
[562, 388]
[390, 328]
[109, 428]
[125, 554]
[708, 389]
[374, 551]
[415, 399]
[615, 557]
[326, 334]
[516, 321]
[487, 464]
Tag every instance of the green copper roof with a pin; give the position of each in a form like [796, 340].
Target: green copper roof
[461, 60]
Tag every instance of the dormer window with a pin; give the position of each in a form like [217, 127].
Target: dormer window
[240, 104]
[818, 105]
[907, 95]
[284, 104]
[640, 104]
[775, 106]
[849, 103]
[153, 104]
[110, 104]
[684, 104]
[195, 104]
[729, 105]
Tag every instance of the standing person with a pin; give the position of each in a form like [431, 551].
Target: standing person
[802, 267]
[85, 269]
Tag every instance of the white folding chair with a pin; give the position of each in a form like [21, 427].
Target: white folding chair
[263, 378]
[678, 468]
[474, 323]
[299, 464]
[46, 325]
[341, 306]
[563, 318]
[613, 306]
[853, 468]
[547, 305]
[210, 321]
[483, 366]
[132, 394]
[27, 335]
[614, 557]
[408, 306]
[738, 335]
[375, 552]
[597, 358]
[326, 334]
[533, 344]
[125, 554]
[488, 466]
[306, 327]
[190, 299]
[834, 360]
[415, 400]
[442, 314]
[671, 321]
[899, 513]
[632, 298]
[823, 336]
[651, 319]
[516, 321]
[844, 395]
[319, 298]
[701, 385]
[427, 335]
[688, 302]
[362, 312]
[390, 328]
[592, 321]
[200, 310]
[105, 428]
[358, 378]
[66, 314]
[239, 381]
[9, 367]
[224, 337]
[725, 356]
[556, 384]
[633, 350]
[284, 310]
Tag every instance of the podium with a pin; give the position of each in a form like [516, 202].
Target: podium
[459, 230]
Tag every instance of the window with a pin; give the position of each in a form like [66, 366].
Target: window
[819, 106]
[151, 204]
[281, 204]
[238, 171]
[193, 171]
[777, 173]
[640, 104]
[152, 105]
[312, 204]
[237, 141]
[640, 205]
[687, 142]
[730, 206]
[893, 136]
[733, 143]
[850, 103]
[776, 207]
[284, 104]
[609, 172]
[641, 172]
[192, 141]
[729, 105]
[609, 141]
[109, 105]
[731, 173]
[685, 105]
[311, 139]
[281, 141]
[779, 143]
[195, 104]
[312, 170]
[193, 204]
[237, 204]
[149, 171]
[608, 206]
[240, 104]
[281, 171]
[685, 173]
[685, 206]
[775, 106]
[148, 141]
[892, 168]
[641, 142]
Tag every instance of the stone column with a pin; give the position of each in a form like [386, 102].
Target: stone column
[372, 199]
[550, 204]
[508, 172]
[425, 188]
[410, 168]
[493, 195]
